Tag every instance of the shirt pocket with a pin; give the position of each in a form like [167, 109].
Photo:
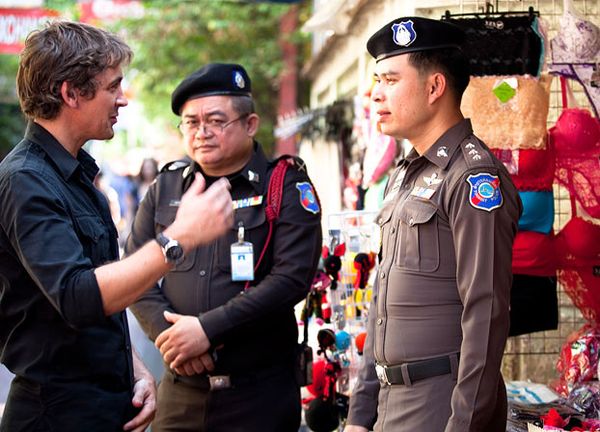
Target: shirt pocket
[254, 221]
[418, 248]
[94, 236]
[163, 217]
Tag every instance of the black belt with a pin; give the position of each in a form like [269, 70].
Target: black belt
[225, 381]
[408, 373]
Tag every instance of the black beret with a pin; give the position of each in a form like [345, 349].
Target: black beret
[411, 34]
[210, 80]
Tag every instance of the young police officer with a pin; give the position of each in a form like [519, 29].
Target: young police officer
[63, 332]
[439, 323]
[226, 329]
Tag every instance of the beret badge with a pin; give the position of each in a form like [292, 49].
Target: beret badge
[404, 33]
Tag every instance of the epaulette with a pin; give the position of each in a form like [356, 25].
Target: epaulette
[176, 165]
[474, 153]
[294, 161]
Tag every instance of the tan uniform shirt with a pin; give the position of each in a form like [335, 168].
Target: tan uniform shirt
[448, 223]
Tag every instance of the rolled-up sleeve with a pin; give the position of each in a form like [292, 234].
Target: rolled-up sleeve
[39, 227]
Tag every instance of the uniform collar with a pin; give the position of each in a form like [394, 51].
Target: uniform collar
[254, 172]
[62, 159]
[440, 153]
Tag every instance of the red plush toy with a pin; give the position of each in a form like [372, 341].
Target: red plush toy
[363, 263]
[333, 262]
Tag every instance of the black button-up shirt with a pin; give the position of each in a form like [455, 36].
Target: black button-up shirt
[55, 228]
[256, 327]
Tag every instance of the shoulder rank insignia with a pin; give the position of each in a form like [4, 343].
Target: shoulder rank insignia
[308, 198]
[485, 191]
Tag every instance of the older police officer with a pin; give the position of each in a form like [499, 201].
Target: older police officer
[439, 324]
[227, 331]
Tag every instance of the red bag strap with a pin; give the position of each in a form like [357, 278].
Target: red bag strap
[273, 207]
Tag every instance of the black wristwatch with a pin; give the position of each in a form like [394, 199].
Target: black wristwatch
[171, 249]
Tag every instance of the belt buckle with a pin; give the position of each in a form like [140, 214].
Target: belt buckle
[381, 371]
[219, 382]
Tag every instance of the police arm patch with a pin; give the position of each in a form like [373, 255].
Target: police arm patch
[485, 191]
[308, 198]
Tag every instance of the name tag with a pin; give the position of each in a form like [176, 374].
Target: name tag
[242, 261]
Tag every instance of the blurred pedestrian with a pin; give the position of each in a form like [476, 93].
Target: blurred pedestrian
[147, 174]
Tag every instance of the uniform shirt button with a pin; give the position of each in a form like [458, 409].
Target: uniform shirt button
[379, 321]
[393, 230]
[382, 275]
[202, 273]
[411, 221]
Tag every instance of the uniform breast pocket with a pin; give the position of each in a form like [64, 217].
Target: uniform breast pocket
[93, 234]
[255, 225]
[163, 217]
[419, 240]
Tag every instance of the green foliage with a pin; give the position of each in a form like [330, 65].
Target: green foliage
[12, 123]
[175, 38]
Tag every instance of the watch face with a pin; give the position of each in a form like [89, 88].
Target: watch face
[175, 253]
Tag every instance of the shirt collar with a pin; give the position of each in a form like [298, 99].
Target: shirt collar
[62, 159]
[440, 153]
[255, 170]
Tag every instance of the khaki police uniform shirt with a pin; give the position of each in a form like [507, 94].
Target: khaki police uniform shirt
[445, 273]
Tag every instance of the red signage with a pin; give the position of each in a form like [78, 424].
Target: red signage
[16, 24]
[105, 11]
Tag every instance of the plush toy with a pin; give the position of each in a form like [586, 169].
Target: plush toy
[359, 341]
[333, 263]
[316, 300]
[363, 263]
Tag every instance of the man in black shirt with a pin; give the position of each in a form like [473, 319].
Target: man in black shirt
[63, 332]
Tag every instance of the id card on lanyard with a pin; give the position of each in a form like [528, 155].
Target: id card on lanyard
[242, 259]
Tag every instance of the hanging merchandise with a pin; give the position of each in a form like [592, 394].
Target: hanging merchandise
[363, 263]
[502, 43]
[575, 53]
[333, 263]
[530, 170]
[508, 112]
[533, 304]
[576, 139]
[538, 211]
[534, 254]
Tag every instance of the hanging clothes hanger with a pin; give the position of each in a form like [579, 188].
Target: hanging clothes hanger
[492, 12]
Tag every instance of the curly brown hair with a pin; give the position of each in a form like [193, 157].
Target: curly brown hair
[65, 51]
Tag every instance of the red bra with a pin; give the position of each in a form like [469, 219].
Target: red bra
[576, 134]
[534, 254]
[530, 169]
[579, 244]
[576, 141]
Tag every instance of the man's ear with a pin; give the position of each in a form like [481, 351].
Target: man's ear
[69, 95]
[252, 124]
[436, 86]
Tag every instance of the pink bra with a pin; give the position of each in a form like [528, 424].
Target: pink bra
[576, 134]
